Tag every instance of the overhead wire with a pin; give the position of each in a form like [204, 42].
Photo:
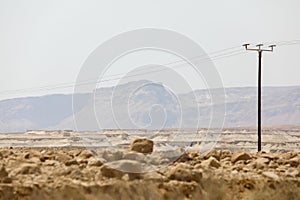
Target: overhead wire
[215, 55]
[212, 56]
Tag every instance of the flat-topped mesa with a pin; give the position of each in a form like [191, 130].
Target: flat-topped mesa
[142, 145]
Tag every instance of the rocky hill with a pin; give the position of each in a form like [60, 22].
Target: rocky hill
[151, 106]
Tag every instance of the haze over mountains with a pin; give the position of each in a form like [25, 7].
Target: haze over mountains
[151, 106]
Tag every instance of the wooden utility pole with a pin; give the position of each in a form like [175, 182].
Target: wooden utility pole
[259, 50]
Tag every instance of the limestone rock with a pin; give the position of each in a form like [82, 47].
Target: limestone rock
[61, 157]
[95, 163]
[260, 163]
[71, 162]
[142, 145]
[271, 175]
[294, 162]
[4, 176]
[292, 172]
[119, 168]
[240, 156]
[134, 156]
[213, 153]
[211, 162]
[154, 176]
[225, 154]
[85, 154]
[182, 172]
[29, 169]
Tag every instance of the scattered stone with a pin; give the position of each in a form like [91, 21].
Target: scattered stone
[294, 162]
[76, 174]
[71, 162]
[134, 156]
[154, 176]
[61, 157]
[95, 163]
[292, 172]
[111, 172]
[270, 156]
[261, 163]
[182, 172]
[225, 154]
[29, 169]
[213, 153]
[271, 175]
[82, 161]
[184, 158]
[4, 176]
[142, 145]
[85, 154]
[3, 172]
[119, 168]
[211, 162]
[240, 156]
[51, 163]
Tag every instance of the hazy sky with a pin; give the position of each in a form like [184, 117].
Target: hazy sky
[46, 42]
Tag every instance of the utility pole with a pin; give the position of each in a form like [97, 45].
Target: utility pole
[259, 50]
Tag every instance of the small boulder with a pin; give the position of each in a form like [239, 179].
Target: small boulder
[3, 172]
[294, 162]
[271, 175]
[240, 156]
[61, 157]
[71, 162]
[142, 145]
[29, 169]
[261, 163]
[4, 176]
[211, 162]
[213, 153]
[118, 168]
[292, 172]
[182, 172]
[85, 154]
[95, 163]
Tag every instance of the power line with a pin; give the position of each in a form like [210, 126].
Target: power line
[71, 84]
[216, 55]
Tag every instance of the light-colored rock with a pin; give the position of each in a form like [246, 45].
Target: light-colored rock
[85, 154]
[4, 178]
[61, 157]
[51, 163]
[211, 162]
[292, 172]
[3, 172]
[119, 168]
[225, 154]
[134, 156]
[261, 163]
[213, 153]
[182, 172]
[271, 175]
[240, 156]
[142, 145]
[294, 162]
[154, 176]
[95, 163]
[28, 169]
[71, 162]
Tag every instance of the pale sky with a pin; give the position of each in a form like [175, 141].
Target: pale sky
[46, 42]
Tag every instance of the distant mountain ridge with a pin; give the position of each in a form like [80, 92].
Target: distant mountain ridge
[151, 107]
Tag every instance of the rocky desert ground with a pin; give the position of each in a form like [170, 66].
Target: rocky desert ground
[58, 170]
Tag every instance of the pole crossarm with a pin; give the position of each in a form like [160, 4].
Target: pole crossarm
[259, 49]
[270, 47]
